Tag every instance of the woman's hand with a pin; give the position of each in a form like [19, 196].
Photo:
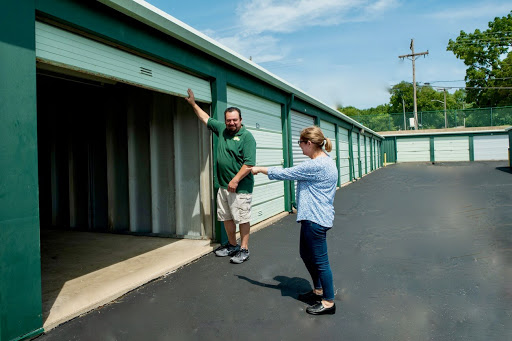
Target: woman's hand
[256, 170]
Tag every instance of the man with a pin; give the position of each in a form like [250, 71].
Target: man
[236, 155]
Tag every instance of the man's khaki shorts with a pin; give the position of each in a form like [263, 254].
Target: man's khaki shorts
[233, 206]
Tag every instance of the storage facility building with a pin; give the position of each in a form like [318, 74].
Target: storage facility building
[96, 135]
[446, 145]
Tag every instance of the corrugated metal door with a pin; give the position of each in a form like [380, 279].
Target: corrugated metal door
[344, 155]
[149, 147]
[355, 154]
[329, 130]
[379, 156]
[263, 119]
[362, 155]
[368, 155]
[71, 51]
[451, 148]
[491, 147]
[374, 157]
[413, 149]
[298, 122]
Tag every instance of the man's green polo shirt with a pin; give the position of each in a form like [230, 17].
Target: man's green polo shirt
[234, 151]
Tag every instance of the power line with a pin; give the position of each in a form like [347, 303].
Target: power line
[475, 79]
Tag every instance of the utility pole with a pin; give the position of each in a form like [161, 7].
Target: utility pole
[445, 118]
[413, 57]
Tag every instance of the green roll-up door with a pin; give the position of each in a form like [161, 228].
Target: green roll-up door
[263, 119]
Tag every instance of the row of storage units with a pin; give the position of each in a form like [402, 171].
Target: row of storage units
[462, 145]
[145, 145]
[263, 119]
[98, 137]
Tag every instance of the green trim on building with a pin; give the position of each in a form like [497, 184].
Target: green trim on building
[359, 164]
[219, 105]
[351, 153]
[336, 137]
[388, 147]
[285, 122]
[432, 149]
[471, 148]
[509, 146]
[20, 259]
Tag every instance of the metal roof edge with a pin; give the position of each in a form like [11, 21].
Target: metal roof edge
[450, 133]
[164, 22]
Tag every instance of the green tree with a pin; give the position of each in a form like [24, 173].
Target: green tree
[488, 56]
[376, 119]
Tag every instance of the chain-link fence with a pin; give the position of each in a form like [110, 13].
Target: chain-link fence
[478, 117]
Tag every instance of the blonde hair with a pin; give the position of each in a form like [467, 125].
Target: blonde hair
[315, 135]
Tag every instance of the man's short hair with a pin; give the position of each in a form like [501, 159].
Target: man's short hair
[231, 109]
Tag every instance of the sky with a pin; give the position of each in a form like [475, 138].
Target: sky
[343, 52]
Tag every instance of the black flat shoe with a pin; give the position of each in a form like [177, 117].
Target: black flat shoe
[319, 309]
[310, 296]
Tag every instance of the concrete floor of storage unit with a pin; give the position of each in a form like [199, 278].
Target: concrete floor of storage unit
[81, 271]
[84, 270]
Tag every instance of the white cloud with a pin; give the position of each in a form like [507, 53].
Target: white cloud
[343, 85]
[261, 48]
[286, 16]
[485, 10]
[258, 16]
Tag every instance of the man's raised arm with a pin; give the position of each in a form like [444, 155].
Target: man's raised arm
[201, 114]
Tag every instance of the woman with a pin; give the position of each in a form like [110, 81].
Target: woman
[316, 186]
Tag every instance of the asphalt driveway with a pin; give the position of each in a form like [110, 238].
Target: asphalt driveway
[418, 252]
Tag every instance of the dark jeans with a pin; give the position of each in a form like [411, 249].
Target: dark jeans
[313, 251]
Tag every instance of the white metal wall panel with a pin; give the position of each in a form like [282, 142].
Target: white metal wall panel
[65, 49]
[451, 148]
[343, 145]
[362, 155]
[298, 122]
[490, 147]
[374, 153]
[329, 130]
[263, 119]
[379, 156]
[368, 155]
[355, 156]
[412, 149]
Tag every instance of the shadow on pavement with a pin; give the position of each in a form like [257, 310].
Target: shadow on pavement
[505, 169]
[289, 286]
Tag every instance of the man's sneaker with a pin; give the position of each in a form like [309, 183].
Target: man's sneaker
[240, 257]
[226, 250]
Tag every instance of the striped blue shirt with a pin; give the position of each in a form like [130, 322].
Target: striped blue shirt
[316, 186]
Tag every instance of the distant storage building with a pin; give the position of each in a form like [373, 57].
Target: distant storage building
[447, 145]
